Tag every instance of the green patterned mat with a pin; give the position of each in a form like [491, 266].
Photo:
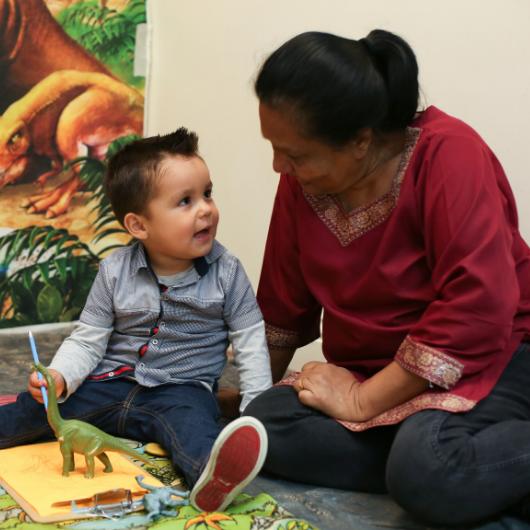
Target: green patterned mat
[246, 513]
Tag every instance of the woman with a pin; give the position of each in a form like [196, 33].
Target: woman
[400, 228]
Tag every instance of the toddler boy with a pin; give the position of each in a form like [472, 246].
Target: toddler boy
[150, 346]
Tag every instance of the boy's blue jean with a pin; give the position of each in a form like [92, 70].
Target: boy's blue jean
[445, 468]
[182, 418]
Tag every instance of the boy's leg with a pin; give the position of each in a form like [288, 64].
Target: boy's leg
[184, 419]
[25, 420]
[310, 447]
[475, 464]
[236, 458]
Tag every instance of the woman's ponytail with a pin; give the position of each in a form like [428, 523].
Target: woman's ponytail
[396, 62]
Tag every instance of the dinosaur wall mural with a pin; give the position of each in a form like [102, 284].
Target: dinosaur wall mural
[68, 99]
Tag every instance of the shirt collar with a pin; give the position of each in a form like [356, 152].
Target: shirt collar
[140, 260]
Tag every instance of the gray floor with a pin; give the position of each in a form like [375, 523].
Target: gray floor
[325, 508]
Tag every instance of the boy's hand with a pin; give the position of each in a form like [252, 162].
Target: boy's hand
[34, 384]
[229, 401]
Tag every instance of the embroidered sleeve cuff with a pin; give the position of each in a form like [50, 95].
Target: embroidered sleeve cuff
[433, 365]
[285, 338]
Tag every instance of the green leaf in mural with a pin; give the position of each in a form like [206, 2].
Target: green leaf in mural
[109, 34]
[49, 304]
[23, 299]
[44, 270]
[53, 262]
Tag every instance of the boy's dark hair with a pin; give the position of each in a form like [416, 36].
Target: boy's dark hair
[131, 173]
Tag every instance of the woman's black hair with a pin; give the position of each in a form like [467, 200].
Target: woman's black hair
[338, 86]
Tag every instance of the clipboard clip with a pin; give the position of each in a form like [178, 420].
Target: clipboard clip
[111, 504]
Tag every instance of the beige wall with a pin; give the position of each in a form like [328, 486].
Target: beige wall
[473, 57]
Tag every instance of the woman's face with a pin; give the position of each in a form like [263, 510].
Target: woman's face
[319, 168]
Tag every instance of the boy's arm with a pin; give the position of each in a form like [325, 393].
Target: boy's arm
[251, 358]
[79, 354]
[246, 332]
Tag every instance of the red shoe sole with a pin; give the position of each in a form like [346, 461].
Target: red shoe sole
[235, 463]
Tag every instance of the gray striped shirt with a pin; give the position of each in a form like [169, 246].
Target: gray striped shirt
[132, 325]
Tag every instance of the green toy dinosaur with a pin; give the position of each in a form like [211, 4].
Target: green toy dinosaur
[77, 436]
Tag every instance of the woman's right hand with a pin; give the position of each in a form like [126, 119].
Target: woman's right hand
[34, 384]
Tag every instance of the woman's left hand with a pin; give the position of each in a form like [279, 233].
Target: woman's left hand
[331, 389]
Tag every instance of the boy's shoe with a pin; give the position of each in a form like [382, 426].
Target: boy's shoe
[236, 458]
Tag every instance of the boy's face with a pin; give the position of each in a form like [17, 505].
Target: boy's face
[181, 218]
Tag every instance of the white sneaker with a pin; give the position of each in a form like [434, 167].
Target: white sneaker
[236, 458]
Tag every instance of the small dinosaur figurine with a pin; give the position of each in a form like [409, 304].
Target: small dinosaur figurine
[77, 436]
[159, 500]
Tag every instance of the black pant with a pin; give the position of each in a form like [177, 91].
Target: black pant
[442, 467]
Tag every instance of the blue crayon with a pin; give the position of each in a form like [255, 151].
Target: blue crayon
[39, 375]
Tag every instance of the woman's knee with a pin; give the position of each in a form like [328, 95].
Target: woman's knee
[299, 434]
[414, 472]
[421, 479]
[280, 411]
[274, 405]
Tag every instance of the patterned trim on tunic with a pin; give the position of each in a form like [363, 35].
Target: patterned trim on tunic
[431, 364]
[427, 400]
[282, 338]
[349, 226]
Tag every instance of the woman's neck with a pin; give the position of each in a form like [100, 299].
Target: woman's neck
[382, 164]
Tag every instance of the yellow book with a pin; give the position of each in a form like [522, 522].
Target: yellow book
[32, 475]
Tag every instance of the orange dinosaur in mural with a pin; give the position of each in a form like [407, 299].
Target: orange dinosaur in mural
[67, 115]
[58, 103]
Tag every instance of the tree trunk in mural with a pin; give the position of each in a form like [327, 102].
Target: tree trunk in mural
[68, 100]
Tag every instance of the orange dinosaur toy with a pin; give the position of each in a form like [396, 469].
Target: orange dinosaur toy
[66, 115]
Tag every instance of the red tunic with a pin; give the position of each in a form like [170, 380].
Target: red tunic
[433, 275]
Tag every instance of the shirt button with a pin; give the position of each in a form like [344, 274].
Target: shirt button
[162, 324]
[142, 365]
[155, 341]
[111, 374]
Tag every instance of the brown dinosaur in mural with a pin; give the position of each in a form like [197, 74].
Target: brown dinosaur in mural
[32, 46]
[67, 115]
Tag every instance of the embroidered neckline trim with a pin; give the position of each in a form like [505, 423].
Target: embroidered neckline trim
[349, 226]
